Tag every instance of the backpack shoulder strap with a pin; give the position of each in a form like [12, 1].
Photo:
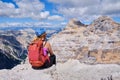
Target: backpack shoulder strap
[44, 43]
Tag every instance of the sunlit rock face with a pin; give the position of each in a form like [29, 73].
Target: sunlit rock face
[99, 42]
[13, 47]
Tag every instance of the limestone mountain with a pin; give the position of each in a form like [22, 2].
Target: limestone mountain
[99, 42]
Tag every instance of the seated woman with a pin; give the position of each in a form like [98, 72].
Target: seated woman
[46, 48]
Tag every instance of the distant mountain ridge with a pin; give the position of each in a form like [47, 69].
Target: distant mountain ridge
[13, 47]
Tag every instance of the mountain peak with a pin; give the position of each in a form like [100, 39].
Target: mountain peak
[104, 23]
[74, 23]
[103, 19]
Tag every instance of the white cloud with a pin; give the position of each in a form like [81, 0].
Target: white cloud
[112, 8]
[55, 17]
[6, 5]
[27, 24]
[26, 8]
[6, 9]
[41, 15]
[44, 14]
[87, 9]
[33, 24]
[75, 3]
[30, 5]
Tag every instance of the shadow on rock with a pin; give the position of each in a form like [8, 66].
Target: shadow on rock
[7, 63]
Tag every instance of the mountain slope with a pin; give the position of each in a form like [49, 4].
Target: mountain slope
[13, 47]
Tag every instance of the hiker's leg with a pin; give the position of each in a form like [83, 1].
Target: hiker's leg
[52, 60]
[47, 64]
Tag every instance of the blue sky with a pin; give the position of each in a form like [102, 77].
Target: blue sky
[55, 13]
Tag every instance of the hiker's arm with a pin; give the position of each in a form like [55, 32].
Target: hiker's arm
[50, 49]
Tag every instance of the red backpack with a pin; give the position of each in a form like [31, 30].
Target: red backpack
[35, 54]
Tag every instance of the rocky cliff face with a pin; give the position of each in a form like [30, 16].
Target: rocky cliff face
[13, 47]
[99, 42]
